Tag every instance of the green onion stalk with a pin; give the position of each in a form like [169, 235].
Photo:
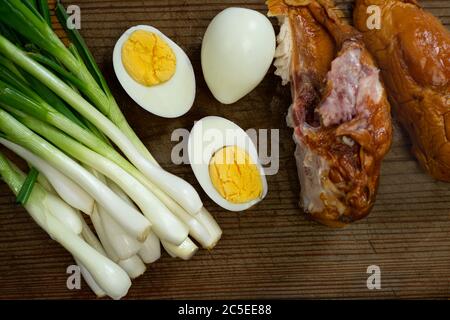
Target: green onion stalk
[28, 86]
[165, 224]
[178, 189]
[68, 190]
[19, 17]
[123, 213]
[107, 276]
[9, 96]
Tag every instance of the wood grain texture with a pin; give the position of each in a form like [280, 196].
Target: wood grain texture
[270, 251]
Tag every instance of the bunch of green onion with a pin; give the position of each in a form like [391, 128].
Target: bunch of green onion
[58, 114]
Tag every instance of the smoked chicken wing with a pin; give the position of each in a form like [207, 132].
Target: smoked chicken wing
[340, 113]
[412, 49]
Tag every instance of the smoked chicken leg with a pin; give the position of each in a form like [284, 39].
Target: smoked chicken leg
[340, 113]
[412, 49]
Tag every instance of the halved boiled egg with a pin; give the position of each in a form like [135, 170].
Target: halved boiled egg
[154, 71]
[226, 164]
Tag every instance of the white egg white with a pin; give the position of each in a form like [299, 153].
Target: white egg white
[237, 50]
[209, 135]
[170, 99]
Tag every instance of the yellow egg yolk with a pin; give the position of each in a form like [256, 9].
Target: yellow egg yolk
[234, 175]
[148, 59]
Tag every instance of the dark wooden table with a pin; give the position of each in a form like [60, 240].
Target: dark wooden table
[270, 251]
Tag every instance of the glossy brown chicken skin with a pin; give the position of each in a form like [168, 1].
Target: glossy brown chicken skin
[412, 48]
[340, 113]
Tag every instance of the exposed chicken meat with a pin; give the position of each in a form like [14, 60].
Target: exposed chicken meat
[340, 114]
[412, 48]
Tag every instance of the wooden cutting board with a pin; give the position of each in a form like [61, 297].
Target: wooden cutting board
[270, 251]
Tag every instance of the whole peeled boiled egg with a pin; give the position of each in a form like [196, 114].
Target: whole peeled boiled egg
[154, 71]
[237, 50]
[226, 164]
